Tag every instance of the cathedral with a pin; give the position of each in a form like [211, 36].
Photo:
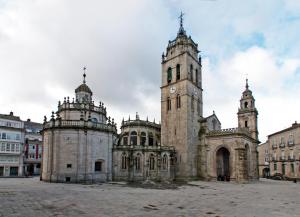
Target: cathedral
[81, 143]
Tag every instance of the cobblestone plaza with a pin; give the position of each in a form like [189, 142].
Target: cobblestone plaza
[30, 197]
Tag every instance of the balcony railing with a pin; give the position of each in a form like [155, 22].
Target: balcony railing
[291, 158]
[274, 146]
[281, 145]
[282, 157]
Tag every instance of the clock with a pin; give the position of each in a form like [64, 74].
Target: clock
[172, 89]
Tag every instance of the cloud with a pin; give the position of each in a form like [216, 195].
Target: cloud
[45, 44]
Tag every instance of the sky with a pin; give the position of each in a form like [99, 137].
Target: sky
[44, 45]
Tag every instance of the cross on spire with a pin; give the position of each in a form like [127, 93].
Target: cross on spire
[181, 29]
[181, 19]
[247, 85]
[84, 75]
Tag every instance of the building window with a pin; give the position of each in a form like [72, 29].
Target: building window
[3, 146]
[246, 123]
[98, 166]
[246, 105]
[169, 104]
[68, 179]
[197, 77]
[138, 162]
[191, 73]
[169, 75]
[124, 162]
[150, 138]
[178, 72]
[125, 140]
[165, 162]
[8, 147]
[152, 162]
[133, 138]
[3, 135]
[12, 147]
[143, 138]
[292, 168]
[192, 103]
[68, 165]
[17, 147]
[275, 166]
[178, 101]
[283, 169]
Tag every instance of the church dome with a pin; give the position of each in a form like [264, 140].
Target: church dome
[83, 88]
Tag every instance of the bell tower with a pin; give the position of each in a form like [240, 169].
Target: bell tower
[181, 101]
[247, 114]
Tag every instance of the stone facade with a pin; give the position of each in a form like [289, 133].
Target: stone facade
[186, 146]
[263, 160]
[203, 149]
[77, 143]
[284, 150]
[139, 156]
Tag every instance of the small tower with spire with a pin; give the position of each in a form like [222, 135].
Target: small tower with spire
[83, 92]
[247, 114]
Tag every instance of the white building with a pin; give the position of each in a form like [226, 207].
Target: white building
[11, 145]
[77, 143]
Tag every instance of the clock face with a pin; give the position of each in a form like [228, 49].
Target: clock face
[172, 89]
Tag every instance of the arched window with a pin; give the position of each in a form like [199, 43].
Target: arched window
[151, 162]
[197, 77]
[165, 162]
[178, 101]
[133, 138]
[169, 104]
[143, 138]
[191, 72]
[137, 162]
[246, 123]
[150, 139]
[169, 75]
[124, 161]
[177, 72]
[246, 104]
[99, 166]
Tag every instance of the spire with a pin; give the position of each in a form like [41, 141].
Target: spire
[247, 86]
[84, 75]
[181, 29]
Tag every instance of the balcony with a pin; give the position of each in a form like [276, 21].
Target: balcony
[281, 145]
[274, 159]
[291, 158]
[274, 146]
[282, 158]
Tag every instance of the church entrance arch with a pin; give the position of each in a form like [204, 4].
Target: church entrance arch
[223, 169]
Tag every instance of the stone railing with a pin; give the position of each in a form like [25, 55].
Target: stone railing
[80, 124]
[149, 148]
[229, 131]
[138, 122]
[81, 106]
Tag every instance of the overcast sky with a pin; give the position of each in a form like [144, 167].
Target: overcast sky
[44, 45]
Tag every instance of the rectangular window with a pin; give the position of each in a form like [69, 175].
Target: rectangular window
[8, 147]
[275, 167]
[292, 168]
[3, 135]
[98, 166]
[17, 147]
[69, 165]
[3, 146]
[18, 136]
[13, 147]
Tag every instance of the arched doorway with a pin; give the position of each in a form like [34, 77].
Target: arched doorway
[223, 171]
[266, 172]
